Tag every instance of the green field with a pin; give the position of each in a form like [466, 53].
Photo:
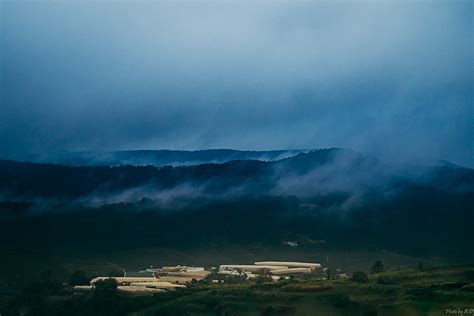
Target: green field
[414, 291]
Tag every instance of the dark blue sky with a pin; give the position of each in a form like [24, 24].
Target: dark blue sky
[394, 79]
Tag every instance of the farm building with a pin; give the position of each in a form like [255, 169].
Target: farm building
[170, 278]
[312, 266]
[276, 268]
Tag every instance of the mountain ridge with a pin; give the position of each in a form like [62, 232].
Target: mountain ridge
[319, 172]
[160, 157]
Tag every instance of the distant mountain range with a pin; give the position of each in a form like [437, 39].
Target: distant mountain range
[312, 174]
[159, 157]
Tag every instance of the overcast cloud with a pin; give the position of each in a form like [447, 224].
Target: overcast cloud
[395, 79]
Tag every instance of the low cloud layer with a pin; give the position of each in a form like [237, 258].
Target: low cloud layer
[326, 179]
[393, 78]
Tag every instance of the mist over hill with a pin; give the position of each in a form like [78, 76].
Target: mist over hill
[317, 173]
[306, 175]
[343, 198]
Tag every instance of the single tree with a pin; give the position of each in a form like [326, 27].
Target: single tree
[378, 267]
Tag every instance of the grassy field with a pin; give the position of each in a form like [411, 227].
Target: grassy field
[430, 291]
